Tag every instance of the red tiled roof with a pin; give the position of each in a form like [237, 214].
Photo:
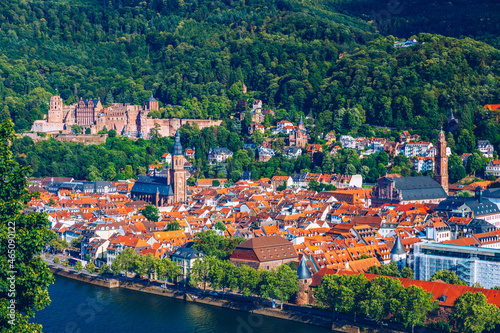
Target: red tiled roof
[492, 107]
[438, 289]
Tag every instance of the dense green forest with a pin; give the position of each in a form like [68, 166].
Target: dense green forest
[199, 53]
[196, 55]
[478, 19]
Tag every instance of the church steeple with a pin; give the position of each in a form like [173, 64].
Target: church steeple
[178, 174]
[441, 162]
[452, 123]
[177, 145]
[301, 123]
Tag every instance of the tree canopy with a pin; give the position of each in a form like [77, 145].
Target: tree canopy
[473, 314]
[447, 277]
[380, 298]
[22, 238]
[212, 244]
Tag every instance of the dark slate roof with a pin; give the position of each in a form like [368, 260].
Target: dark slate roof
[246, 175]
[292, 150]
[299, 177]
[162, 173]
[492, 193]
[151, 185]
[398, 247]
[485, 207]
[177, 145]
[220, 150]
[480, 226]
[453, 204]
[419, 188]
[482, 143]
[152, 99]
[56, 186]
[187, 253]
[302, 270]
[86, 101]
[99, 184]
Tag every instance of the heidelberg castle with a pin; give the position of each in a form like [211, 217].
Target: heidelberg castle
[125, 119]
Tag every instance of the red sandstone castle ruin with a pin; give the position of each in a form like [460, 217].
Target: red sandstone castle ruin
[126, 119]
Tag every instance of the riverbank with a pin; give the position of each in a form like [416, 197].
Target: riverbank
[252, 305]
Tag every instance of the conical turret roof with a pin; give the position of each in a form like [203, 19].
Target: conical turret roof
[302, 270]
[398, 247]
[152, 99]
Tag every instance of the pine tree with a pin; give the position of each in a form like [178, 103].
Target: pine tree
[109, 98]
[327, 164]
[236, 125]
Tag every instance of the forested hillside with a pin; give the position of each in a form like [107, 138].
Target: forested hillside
[199, 53]
[479, 19]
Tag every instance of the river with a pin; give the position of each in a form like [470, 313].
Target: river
[78, 307]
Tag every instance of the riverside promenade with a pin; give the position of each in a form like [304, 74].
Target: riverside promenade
[227, 300]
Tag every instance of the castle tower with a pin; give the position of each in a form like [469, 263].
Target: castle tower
[152, 103]
[305, 279]
[56, 110]
[178, 178]
[441, 168]
[398, 253]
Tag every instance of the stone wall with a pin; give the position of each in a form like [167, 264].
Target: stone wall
[111, 283]
[266, 265]
[202, 123]
[83, 138]
[34, 136]
[44, 126]
[168, 127]
[164, 126]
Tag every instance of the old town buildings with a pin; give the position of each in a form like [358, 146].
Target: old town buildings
[265, 252]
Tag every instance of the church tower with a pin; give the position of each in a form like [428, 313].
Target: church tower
[441, 162]
[178, 174]
[452, 123]
[56, 110]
